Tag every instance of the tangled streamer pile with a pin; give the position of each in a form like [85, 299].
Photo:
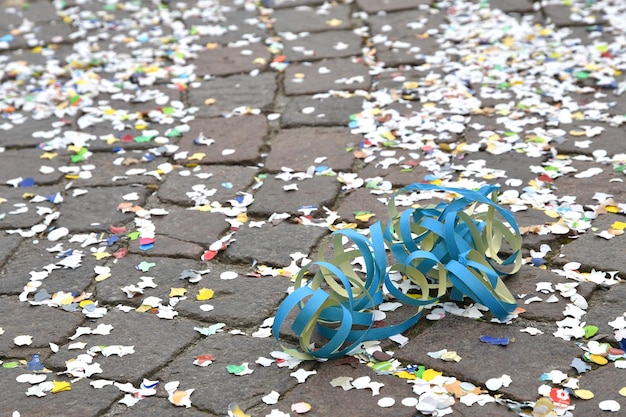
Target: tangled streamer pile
[450, 246]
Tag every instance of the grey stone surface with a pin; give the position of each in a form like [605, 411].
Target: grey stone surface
[211, 382]
[312, 19]
[206, 230]
[167, 246]
[319, 192]
[373, 6]
[18, 209]
[237, 140]
[281, 241]
[234, 92]
[298, 149]
[226, 180]
[322, 76]
[26, 163]
[145, 332]
[97, 210]
[315, 46]
[482, 361]
[320, 110]
[31, 323]
[223, 60]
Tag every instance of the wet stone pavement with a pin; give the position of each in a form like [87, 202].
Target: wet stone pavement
[167, 167]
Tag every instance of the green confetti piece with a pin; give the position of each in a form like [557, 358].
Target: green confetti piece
[193, 30]
[235, 369]
[10, 365]
[109, 7]
[590, 331]
[133, 235]
[420, 371]
[142, 138]
[77, 158]
[581, 75]
[172, 133]
[168, 110]
[382, 366]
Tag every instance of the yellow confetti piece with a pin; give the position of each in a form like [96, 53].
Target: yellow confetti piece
[141, 126]
[600, 360]
[242, 218]
[405, 375]
[618, 225]
[577, 132]
[622, 392]
[551, 213]
[364, 217]
[84, 303]
[111, 140]
[612, 209]
[143, 308]
[430, 374]
[177, 292]
[260, 61]
[334, 22]
[298, 75]
[101, 255]
[59, 386]
[198, 156]
[204, 294]
[205, 208]
[3, 200]
[235, 411]
[102, 277]
[451, 356]
[74, 148]
[210, 101]
[109, 112]
[212, 45]
[48, 155]
[583, 394]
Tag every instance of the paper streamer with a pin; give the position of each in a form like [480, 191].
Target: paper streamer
[445, 247]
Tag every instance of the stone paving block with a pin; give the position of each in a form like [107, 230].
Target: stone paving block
[191, 187]
[18, 211]
[125, 169]
[607, 254]
[315, 46]
[512, 6]
[299, 149]
[311, 19]
[167, 246]
[145, 332]
[606, 305]
[165, 273]
[36, 321]
[402, 38]
[214, 387]
[602, 137]
[319, 191]
[482, 361]
[26, 163]
[601, 382]
[237, 140]
[584, 189]
[562, 15]
[207, 227]
[223, 60]
[155, 406]
[42, 33]
[327, 400]
[396, 166]
[239, 26]
[271, 244]
[322, 76]
[8, 246]
[320, 110]
[81, 400]
[525, 283]
[373, 6]
[34, 258]
[362, 200]
[233, 92]
[22, 133]
[102, 213]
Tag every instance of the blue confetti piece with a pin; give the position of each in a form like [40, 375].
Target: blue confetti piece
[27, 182]
[7, 38]
[537, 261]
[147, 246]
[227, 185]
[321, 168]
[112, 240]
[622, 344]
[65, 254]
[503, 341]
[34, 364]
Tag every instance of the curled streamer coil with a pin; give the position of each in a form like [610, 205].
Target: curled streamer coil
[446, 247]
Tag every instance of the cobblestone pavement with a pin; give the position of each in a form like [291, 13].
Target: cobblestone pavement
[166, 167]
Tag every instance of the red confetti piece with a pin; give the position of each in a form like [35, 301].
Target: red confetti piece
[208, 255]
[120, 253]
[559, 396]
[116, 230]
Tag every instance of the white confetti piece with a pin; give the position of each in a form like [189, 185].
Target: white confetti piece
[609, 405]
[23, 340]
[271, 398]
[591, 172]
[301, 375]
